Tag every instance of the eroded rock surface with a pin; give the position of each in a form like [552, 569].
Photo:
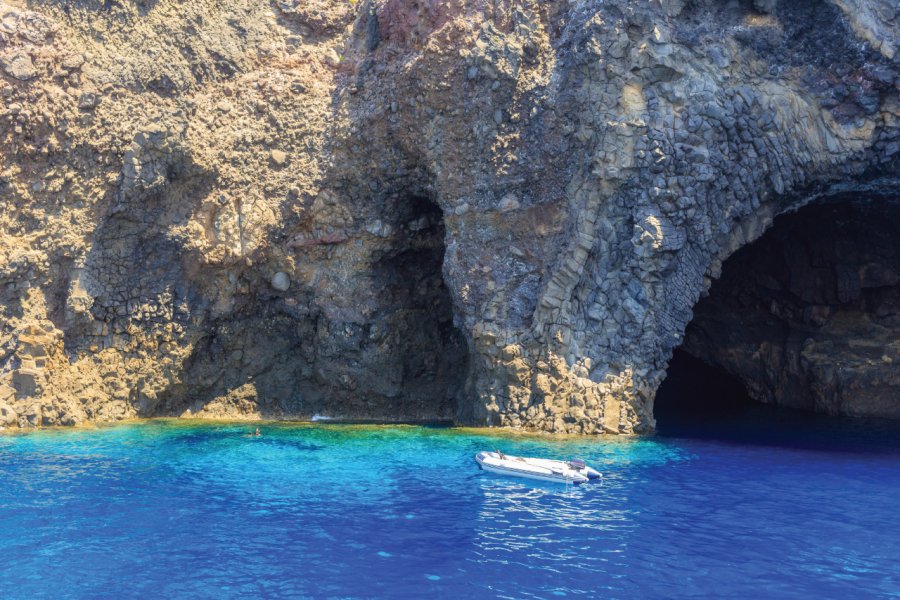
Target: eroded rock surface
[808, 315]
[492, 212]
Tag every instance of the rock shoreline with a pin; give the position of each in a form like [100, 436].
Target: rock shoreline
[490, 213]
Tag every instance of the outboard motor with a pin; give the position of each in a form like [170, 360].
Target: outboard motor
[577, 464]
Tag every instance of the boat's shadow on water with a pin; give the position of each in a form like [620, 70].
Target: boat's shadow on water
[784, 428]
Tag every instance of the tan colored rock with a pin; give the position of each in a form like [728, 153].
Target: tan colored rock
[8, 415]
[18, 65]
[279, 157]
[481, 213]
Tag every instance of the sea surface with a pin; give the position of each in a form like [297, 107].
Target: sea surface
[762, 506]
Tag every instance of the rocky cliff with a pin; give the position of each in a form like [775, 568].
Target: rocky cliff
[494, 212]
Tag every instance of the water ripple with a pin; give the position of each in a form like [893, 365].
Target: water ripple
[175, 510]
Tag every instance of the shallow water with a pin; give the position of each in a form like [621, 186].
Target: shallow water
[174, 509]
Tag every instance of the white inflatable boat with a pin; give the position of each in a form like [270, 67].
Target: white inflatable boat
[559, 471]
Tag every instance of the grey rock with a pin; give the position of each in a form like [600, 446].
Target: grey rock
[281, 281]
[88, 101]
[508, 203]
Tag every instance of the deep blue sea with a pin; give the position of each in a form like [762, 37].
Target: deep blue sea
[765, 506]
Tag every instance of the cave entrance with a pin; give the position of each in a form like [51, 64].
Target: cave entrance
[694, 389]
[429, 354]
[807, 317]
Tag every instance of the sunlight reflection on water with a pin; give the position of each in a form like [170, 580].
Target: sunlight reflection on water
[201, 510]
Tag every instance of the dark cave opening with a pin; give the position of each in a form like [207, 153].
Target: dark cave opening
[429, 353]
[806, 317]
[693, 388]
[401, 360]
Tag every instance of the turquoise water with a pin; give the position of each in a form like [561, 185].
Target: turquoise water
[169, 509]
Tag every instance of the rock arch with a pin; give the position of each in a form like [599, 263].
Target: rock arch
[595, 165]
[808, 316]
[618, 163]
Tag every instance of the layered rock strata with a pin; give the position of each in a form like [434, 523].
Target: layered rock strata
[492, 212]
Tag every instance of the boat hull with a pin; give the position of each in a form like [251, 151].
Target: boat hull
[553, 471]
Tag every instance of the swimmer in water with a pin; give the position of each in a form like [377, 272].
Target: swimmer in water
[258, 434]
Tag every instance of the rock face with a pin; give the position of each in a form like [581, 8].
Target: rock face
[807, 317]
[492, 212]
